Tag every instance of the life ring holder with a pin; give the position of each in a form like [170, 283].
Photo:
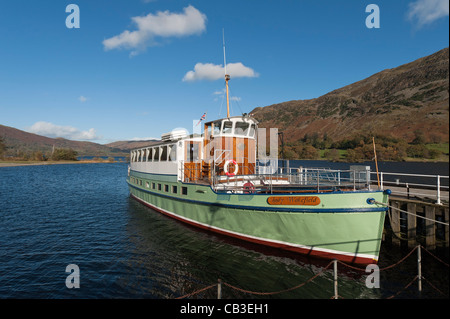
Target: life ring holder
[225, 168]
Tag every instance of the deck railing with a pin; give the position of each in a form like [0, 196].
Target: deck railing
[416, 185]
[270, 177]
[313, 180]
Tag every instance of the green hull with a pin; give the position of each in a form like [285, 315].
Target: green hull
[343, 226]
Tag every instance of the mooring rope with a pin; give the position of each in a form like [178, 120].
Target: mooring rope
[381, 269]
[281, 291]
[404, 211]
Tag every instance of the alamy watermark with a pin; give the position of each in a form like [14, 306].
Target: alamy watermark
[373, 19]
[73, 19]
[373, 279]
[73, 280]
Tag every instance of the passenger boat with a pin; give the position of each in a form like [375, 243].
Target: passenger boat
[216, 181]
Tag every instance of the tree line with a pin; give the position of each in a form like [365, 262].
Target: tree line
[57, 154]
[359, 148]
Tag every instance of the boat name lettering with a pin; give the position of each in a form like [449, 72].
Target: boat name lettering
[293, 200]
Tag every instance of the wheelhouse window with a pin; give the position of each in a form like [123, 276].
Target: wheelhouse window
[227, 127]
[217, 127]
[241, 128]
[252, 130]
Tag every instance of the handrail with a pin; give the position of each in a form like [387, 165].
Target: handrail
[323, 177]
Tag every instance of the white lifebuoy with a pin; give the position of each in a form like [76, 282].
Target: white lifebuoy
[225, 167]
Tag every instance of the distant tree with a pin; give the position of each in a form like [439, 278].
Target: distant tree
[2, 147]
[38, 156]
[64, 154]
[306, 151]
[332, 155]
[419, 138]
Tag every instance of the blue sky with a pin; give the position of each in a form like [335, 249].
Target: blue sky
[139, 68]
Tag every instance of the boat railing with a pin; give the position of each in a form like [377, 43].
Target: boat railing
[318, 180]
[424, 187]
[434, 187]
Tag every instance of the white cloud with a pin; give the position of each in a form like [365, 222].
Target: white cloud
[82, 99]
[68, 132]
[163, 24]
[428, 11]
[211, 72]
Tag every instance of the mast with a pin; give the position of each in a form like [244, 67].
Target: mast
[227, 76]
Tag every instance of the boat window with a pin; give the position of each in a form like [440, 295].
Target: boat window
[217, 127]
[227, 127]
[174, 189]
[166, 188]
[192, 152]
[241, 128]
[252, 130]
[184, 190]
[159, 187]
[163, 153]
[172, 153]
[156, 154]
[149, 154]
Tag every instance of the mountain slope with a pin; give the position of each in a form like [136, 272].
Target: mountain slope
[395, 102]
[19, 141]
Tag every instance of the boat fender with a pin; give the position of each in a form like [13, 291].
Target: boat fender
[249, 188]
[225, 168]
[370, 201]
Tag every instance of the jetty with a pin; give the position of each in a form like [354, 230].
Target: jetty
[418, 204]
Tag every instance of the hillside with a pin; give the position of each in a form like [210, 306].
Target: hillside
[394, 102]
[18, 141]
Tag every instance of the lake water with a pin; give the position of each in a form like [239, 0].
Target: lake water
[52, 216]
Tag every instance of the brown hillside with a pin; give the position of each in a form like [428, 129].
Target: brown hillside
[19, 141]
[395, 102]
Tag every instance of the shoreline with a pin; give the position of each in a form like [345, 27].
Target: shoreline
[37, 163]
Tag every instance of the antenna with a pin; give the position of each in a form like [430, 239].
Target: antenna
[227, 76]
